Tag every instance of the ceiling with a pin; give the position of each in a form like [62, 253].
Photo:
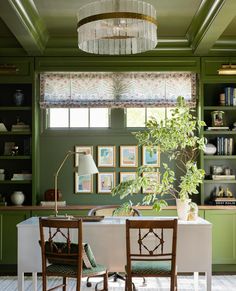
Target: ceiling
[185, 27]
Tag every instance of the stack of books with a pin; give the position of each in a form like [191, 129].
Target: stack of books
[21, 176]
[230, 96]
[224, 145]
[52, 203]
[225, 201]
[223, 177]
[20, 127]
[218, 128]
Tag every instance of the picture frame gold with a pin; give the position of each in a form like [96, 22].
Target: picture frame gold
[105, 182]
[151, 157]
[128, 156]
[106, 156]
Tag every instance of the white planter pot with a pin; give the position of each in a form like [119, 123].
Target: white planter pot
[183, 208]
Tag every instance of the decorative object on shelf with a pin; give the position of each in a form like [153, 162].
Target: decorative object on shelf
[218, 118]
[3, 200]
[20, 126]
[227, 70]
[209, 149]
[2, 175]
[18, 98]
[86, 166]
[234, 126]
[217, 170]
[15, 150]
[229, 194]
[193, 211]
[117, 27]
[222, 99]
[2, 127]
[17, 198]
[21, 177]
[49, 195]
[181, 147]
[8, 148]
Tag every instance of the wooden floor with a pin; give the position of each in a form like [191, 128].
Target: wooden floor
[185, 283]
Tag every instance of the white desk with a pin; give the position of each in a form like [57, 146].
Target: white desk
[107, 240]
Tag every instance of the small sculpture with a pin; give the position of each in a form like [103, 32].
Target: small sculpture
[229, 194]
[220, 192]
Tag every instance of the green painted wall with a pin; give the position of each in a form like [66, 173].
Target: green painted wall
[55, 144]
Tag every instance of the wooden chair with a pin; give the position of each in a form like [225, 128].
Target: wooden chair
[109, 210]
[62, 257]
[151, 250]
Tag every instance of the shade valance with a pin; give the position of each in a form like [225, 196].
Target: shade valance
[116, 90]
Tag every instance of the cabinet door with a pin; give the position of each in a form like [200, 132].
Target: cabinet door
[223, 235]
[8, 235]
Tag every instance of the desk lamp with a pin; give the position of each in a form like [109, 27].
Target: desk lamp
[86, 166]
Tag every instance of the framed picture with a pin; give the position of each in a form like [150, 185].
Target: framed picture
[106, 181]
[128, 156]
[83, 184]
[127, 176]
[151, 157]
[154, 177]
[82, 149]
[106, 156]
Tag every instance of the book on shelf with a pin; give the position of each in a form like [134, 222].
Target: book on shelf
[230, 96]
[224, 145]
[218, 128]
[223, 177]
[52, 203]
[21, 176]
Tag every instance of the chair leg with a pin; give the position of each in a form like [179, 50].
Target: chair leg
[64, 284]
[129, 283]
[172, 283]
[105, 283]
[44, 283]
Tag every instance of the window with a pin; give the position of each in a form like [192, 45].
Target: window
[137, 117]
[77, 117]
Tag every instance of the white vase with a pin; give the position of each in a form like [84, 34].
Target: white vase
[183, 208]
[17, 197]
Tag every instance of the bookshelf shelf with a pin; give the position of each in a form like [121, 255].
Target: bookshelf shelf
[16, 182]
[15, 157]
[220, 181]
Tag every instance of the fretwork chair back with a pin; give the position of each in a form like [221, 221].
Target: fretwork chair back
[151, 250]
[63, 253]
[110, 210]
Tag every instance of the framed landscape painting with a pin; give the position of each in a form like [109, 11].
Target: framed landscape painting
[106, 181]
[154, 178]
[128, 156]
[127, 176]
[106, 156]
[83, 184]
[151, 156]
[82, 149]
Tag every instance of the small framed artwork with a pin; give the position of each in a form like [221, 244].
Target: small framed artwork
[82, 149]
[128, 156]
[154, 178]
[106, 156]
[106, 181]
[83, 184]
[127, 176]
[151, 156]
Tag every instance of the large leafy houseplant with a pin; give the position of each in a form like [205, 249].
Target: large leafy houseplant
[178, 139]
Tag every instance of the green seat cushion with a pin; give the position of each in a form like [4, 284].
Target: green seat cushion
[150, 267]
[70, 270]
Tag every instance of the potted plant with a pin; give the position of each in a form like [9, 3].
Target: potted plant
[178, 140]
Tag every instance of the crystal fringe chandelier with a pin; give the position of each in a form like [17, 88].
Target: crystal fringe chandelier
[117, 27]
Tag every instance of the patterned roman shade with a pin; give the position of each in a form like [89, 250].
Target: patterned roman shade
[116, 90]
